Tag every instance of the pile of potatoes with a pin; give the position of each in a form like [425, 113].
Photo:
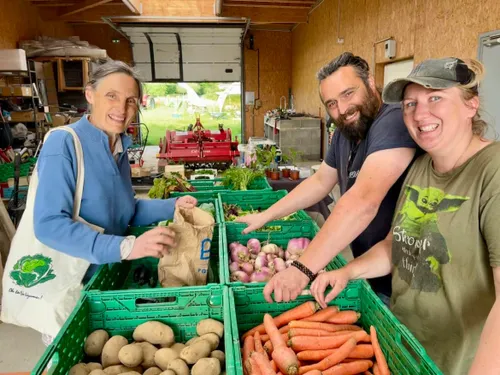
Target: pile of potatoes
[154, 352]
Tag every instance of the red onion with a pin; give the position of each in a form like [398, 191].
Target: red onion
[279, 265]
[239, 254]
[234, 266]
[247, 268]
[270, 257]
[261, 276]
[253, 245]
[260, 262]
[240, 276]
[270, 249]
[297, 245]
[232, 245]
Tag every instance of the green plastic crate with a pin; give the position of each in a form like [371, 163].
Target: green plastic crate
[257, 200]
[120, 276]
[260, 183]
[120, 312]
[289, 230]
[7, 169]
[404, 353]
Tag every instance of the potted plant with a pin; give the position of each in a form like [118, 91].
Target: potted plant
[285, 171]
[275, 172]
[294, 156]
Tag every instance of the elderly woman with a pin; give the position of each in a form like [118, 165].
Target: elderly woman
[444, 246]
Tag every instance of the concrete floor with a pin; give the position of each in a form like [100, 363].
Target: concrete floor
[21, 348]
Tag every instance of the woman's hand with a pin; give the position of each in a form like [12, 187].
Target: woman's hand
[186, 201]
[154, 243]
[337, 279]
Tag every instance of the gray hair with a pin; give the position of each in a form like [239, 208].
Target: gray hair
[346, 59]
[111, 67]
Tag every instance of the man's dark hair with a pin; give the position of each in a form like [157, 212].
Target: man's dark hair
[346, 59]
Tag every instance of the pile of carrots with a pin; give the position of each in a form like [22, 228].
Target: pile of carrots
[308, 341]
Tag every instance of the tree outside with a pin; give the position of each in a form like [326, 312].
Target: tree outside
[174, 106]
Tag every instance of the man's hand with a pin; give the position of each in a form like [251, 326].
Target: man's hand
[287, 285]
[337, 279]
[254, 222]
[186, 201]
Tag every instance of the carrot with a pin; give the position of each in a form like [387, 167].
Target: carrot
[376, 370]
[350, 368]
[300, 312]
[248, 348]
[309, 332]
[254, 368]
[313, 372]
[344, 317]
[314, 355]
[333, 359]
[323, 326]
[322, 315]
[263, 363]
[362, 351]
[283, 329]
[268, 347]
[284, 357]
[300, 343]
[379, 355]
[273, 365]
[367, 373]
[258, 344]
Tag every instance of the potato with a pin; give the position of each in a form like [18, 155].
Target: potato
[118, 369]
[130, 373]
[95, 343]
[94, 366]
[168, 372]
[131, 355]
[192, 340]
[212, 338]
[111, 349]
[178, 366]
[154, 333]
[178, 347]
[210, 326]
[97, 372]
[219, 354]
[206, 366]
[164, 356]
[79, 369]
[152, 371]
[148, 351]
[192, 353]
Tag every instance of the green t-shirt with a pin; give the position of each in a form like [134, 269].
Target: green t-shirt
[446, 238]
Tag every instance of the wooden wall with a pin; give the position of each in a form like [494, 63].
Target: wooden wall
[19, 20]
[274, 77]
[422, 29]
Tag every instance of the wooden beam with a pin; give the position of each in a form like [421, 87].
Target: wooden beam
[94, 15]
[47, 5]
[266, 5]
[86, 5]
[135, 6]
[304, 2]
[267, 15]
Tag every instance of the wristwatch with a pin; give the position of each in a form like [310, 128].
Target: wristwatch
[306, 271]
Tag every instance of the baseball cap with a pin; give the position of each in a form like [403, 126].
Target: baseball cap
[433, 74]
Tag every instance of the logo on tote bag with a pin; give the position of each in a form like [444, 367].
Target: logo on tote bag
[32, 270]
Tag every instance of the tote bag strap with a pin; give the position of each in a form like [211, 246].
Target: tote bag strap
[80, 169]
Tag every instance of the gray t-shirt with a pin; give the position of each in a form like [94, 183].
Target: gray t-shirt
[386, 132]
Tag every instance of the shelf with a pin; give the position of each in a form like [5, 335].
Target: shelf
[18, 96]
[20, 73]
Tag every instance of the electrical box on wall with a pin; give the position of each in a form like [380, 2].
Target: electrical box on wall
[249, 98]
[390, 49]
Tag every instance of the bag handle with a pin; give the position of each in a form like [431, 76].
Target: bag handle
[80, 175]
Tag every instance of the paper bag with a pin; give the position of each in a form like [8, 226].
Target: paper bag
[187, 262]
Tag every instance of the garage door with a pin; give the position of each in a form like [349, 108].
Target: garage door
[166, 53]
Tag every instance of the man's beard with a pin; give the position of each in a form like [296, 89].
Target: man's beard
[356, 131]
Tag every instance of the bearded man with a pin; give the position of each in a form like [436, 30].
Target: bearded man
[369, 156]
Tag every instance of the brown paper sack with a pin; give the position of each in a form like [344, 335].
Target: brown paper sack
[187, 263]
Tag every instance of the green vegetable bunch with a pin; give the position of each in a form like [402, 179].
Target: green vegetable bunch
[163, 186]
[238, 178]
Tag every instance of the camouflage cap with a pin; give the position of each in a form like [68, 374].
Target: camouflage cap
[433, 74]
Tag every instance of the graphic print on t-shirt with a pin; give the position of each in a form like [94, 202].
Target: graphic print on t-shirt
[419, 249]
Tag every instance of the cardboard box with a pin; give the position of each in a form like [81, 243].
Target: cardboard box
[6, 91]
[174, 168]
[13, 60]
[26, 116]
[59, 120]
[22, 90]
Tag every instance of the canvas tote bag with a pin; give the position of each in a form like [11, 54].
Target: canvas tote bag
[41, 286]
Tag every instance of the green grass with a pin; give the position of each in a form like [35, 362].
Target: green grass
[161, 119]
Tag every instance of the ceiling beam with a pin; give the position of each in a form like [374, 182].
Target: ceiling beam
[47, 5]
[267, 15]
[90, 15]
[299, 2]
[135, 6]
[266, 5]
[86, 5]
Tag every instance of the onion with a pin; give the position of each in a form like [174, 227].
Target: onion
[297, 245]
[253, 256]
[233, 245]
[234, 266]
[253, 246]
[247, 268]
[271, 249]
[260, 262]
[239, 254]
[270, 257]
[240, 276]
[261, 276]
[279, 265]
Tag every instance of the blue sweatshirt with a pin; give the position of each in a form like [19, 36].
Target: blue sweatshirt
[108, 198]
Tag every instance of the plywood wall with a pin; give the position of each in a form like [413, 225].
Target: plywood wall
[19, 20]
[103, 36]
[422, 29]
[274, 77]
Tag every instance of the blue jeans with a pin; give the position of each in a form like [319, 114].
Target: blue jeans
[385, 299]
